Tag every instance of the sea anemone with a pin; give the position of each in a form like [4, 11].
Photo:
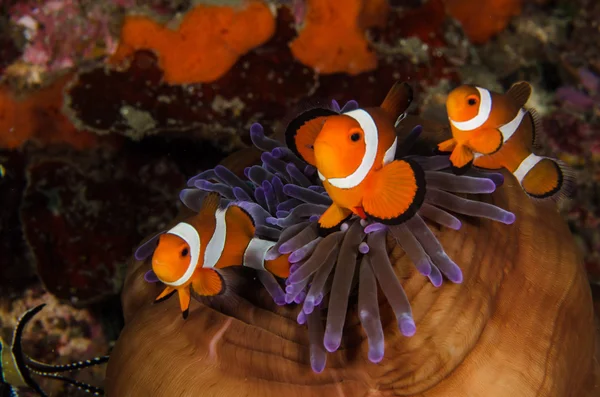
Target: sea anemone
[524, 295]
[285, 198]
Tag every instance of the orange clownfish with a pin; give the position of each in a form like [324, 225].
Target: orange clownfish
[188, 254]
[354, 153]
[493, 131]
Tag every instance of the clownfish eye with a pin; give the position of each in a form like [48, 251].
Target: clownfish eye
[355, 137]
[472, 101]
[184, 252]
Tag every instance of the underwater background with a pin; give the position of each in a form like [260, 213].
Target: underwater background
[108, 107]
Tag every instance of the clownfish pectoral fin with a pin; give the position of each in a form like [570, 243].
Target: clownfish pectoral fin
[332, 218]
[546, 179]
[208, 282]
[398, 100]
[447, 146]
[166, 294]
[279, 267]
[185, 297]
[302, 131]
[486, 141]
[395, 192]
[519, 93]
[461, 159]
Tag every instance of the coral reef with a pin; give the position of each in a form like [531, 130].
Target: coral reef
[60, 96]
[264, 85]
[61, 33]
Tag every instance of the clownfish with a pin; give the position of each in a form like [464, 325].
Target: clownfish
[493, 131]
[188, 254]
[354, 153]
[17, 368]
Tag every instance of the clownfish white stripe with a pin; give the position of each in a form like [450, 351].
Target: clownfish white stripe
[371, 142]
[485, 108]
[526, 166]
[215, 246]
[190, 235]
[254, 256]
[321, 176]
[508, 129]
[390, 154]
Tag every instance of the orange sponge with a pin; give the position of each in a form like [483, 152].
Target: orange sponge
[207, 43]
[333, 37]
[481, 20]
[39, 117]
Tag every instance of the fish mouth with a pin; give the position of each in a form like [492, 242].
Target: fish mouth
[161, 269]
[326, 153]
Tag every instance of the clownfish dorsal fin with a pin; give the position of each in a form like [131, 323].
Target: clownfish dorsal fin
[398, 100]
[210, 204]
[519, 93]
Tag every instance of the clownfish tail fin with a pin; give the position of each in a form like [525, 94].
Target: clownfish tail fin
[395, 192]
[279, 267]
[536, 127]
[520, 93]
[545, 178]
[397, 101]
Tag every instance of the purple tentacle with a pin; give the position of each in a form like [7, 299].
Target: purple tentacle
[147, 248]
[389, 283]
[192, 198]
[151, 277]
[340, 289]
[260, 140]
[258, 175]
[231, 179]
[458, 184]
[220, 188]
[468, 207]
[368, 310]
[297, 176]
[307, 195]
[241, 195]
